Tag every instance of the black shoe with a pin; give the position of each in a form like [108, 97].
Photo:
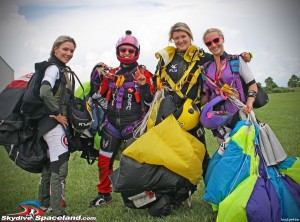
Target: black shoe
[161, 208]
[101, 199]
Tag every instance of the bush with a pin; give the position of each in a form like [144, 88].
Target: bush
[282, 90]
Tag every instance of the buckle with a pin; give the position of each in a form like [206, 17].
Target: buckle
[192, 80]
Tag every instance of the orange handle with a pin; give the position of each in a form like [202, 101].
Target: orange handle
[120, 80]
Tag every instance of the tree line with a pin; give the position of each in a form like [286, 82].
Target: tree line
[271, 86]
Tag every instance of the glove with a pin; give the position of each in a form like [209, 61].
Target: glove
[103, 69]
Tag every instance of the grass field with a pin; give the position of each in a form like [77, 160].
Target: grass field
[282, 114]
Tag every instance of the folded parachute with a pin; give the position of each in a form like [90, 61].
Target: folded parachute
[242, 186]
[168, 145]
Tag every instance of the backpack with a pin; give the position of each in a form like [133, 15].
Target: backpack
[32, 105]
[30, 154]
[97, 102]
[12, 124]
[19, 133]
[90, 140]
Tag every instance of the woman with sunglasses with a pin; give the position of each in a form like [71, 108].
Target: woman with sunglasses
[178, 71]
[220, 73]
[128, 89]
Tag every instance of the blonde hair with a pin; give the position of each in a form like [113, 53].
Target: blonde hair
[180, 26]
[213, 30]
[61, 39]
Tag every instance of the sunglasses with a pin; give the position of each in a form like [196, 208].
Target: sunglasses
[130, 51]
[216, 40]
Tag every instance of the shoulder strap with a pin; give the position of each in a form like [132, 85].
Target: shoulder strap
[60, 81]
[234, 62]
[206, 77]
[205, 67]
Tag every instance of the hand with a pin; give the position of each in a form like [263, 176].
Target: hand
[61, 119]
[249, 105]
[139, 76]
[246, 56]
[103, 69]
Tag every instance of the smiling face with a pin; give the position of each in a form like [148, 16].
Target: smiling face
[64, 52]
[182, 40]
[214, 43]
[127, 51]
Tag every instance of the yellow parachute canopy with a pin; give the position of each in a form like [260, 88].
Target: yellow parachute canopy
[168, 145]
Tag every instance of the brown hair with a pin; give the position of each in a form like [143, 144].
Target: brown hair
[180, 26]
[61, 39]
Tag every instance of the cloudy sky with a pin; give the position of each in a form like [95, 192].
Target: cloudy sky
[267, 28]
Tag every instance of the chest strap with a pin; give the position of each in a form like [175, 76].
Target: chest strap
[190, 76]
[121, 91]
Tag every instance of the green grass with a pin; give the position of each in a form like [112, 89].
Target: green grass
[282, 114]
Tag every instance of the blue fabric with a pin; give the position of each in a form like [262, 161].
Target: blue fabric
[263, 204]
[212, 163]
[285, 193]
[232, 168]
[287, 163]
[98, 115]
[274, 196]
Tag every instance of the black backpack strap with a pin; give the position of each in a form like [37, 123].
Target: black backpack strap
[60, 81]
[73, 82]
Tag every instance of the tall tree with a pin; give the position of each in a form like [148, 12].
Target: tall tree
[270, 83]
[294, 81]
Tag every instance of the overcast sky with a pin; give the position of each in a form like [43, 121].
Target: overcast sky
[268, 28]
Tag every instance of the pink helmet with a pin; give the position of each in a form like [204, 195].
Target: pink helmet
[128, 39]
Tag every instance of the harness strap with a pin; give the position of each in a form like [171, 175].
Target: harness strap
[111, 129]
[188, 76]
[195, 72]
[125, 85]
[121, 91]
[235, 69]
[124, 132]
[211, 80]
[219, 83]
[63, 82]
